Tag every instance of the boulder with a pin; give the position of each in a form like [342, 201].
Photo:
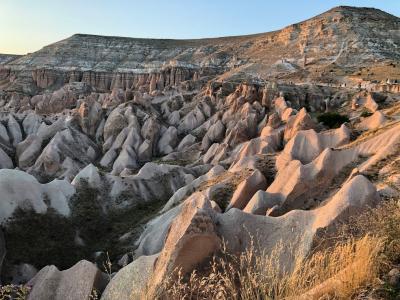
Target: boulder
[191, 239]
[108, 158]
[186, 190]
[274, 120]
[89, 174]
[152, 239]
[145, 151]
[216, 153]
[78, 282]
[133, 139]
[370, 103]
[280, 105]
[269, 142]
[131, 280]
[150, 131]
[174, 118]
[127, 159]
[191, 121]
[258, 203]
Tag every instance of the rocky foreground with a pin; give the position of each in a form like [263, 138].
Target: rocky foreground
[123, 160]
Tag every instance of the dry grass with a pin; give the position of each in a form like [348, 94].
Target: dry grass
[367, 135]
[348, 263]
[336, 273]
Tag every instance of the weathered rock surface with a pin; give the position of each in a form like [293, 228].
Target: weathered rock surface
[66, 153]
[77, 282]
[5, 161]
[373, 122]
[197, 141]
[306, 145]
[299, 227]
[301, 121]
[130, 281]
[21, 190]
[246, 189]
[190, 240]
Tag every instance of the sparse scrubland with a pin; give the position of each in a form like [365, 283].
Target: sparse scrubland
[351, 262]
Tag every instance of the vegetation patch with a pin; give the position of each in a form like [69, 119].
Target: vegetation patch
[50, 238]
[332, 119]
[351, 262]
[366, 113]
[41, 239]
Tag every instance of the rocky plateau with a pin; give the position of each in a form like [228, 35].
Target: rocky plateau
[124, 159]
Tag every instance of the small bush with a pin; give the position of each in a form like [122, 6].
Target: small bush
[41, 239]
[366, 114]
[49, 238]
[14, 292]
[332, 119]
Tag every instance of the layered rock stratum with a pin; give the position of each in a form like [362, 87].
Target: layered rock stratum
[150, 153]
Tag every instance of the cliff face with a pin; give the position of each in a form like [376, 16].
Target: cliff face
[6, 58]
[344, 36]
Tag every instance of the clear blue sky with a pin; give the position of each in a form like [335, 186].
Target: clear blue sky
[28, 25]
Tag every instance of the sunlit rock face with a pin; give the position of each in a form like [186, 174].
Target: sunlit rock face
[156, 151]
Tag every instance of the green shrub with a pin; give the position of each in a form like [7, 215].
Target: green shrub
[41, 239]
[365, 114]
[14, 292]
[332, 119]
[49, 239]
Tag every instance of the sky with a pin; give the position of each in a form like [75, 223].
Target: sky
[28, 25]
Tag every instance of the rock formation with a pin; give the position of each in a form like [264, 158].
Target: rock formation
[157, 151]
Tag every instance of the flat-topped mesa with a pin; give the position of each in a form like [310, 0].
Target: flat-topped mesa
[343, 37]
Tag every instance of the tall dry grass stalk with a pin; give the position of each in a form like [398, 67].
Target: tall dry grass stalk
[250, 276]
[340, 267]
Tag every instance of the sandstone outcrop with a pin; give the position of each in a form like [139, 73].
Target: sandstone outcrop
[373, 122]
[77, 282]
[21, 190]
[173, 146]
[306, 145]
[299, 227]
[130, 281]
[191, 238]
[301, 121]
